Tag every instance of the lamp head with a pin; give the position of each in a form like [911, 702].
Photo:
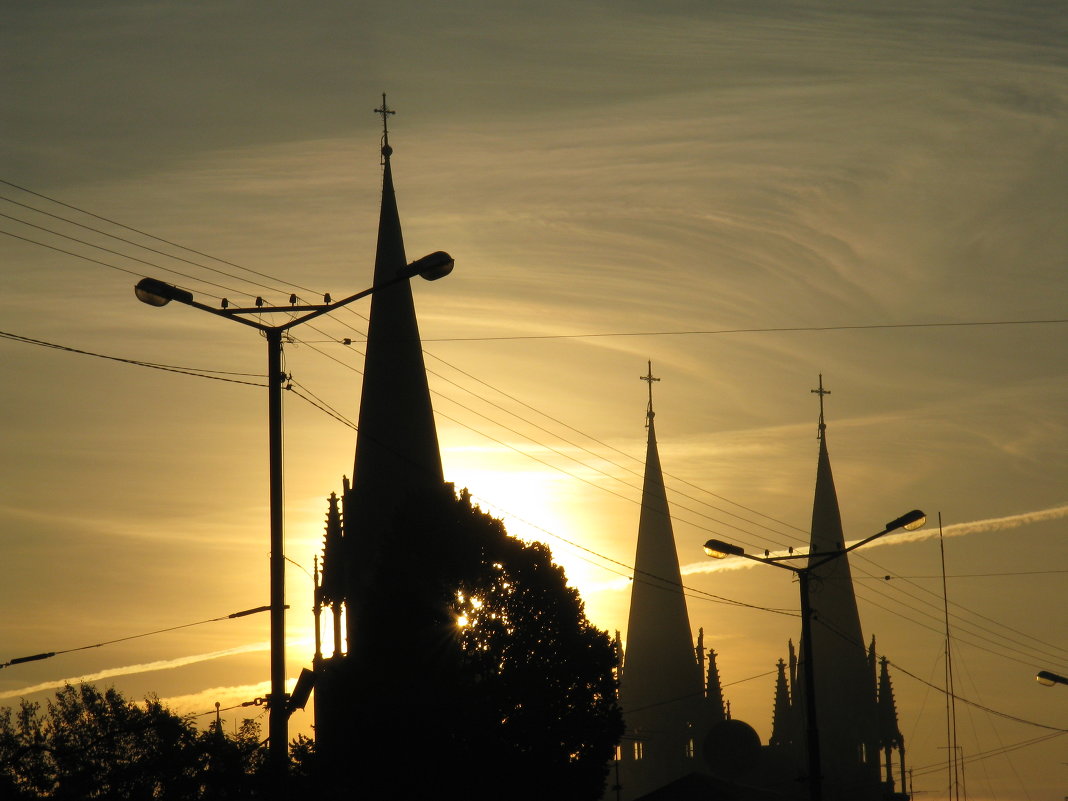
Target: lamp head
[909, 521]
[432, 267]
[158, 293]
[1048, 679]
[718, 549]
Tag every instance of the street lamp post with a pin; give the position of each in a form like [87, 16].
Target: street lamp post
[158, 293]
[720, 550]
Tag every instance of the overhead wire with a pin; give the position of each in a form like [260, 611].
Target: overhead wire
[125, 240]
[216, 375]
[150, 236]
[50, 654]
[114, 253]
[763, 330]
[318, 403]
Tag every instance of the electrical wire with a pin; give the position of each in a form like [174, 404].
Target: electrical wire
[215, 375]
[49, 654]
[151, 236]
[765, 330]
[318, 403]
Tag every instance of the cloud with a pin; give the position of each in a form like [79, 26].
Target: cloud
[955, 530]
[146, 667]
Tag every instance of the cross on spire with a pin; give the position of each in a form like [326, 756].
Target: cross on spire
[649, 378]
[821, 392]
[385, 111]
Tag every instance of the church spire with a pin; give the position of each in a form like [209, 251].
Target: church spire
[397, 443]
[848, 727]
[661, 689]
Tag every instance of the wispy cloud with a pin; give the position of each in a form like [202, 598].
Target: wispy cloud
[127, 670]
[901, 538]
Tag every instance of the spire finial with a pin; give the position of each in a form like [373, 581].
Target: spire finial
[821, 392]
[385, 111]
[650, 379]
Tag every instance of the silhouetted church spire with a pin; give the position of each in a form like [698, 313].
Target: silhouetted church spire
[846, 719]
[661, 691]
[397, 462]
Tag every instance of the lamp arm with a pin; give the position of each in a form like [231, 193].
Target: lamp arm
[774, 562]
[409, 272]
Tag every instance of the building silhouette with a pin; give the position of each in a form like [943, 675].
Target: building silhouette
[367, 609]
[681, 742]
[666, 708]
[856, 713]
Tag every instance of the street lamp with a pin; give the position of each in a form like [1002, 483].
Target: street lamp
[718, 549]
[1048, 679]
[158, 293]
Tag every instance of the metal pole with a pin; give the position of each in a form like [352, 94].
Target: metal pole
[278, 722]
[812, 735]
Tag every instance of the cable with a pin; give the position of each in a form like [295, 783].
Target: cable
[197, 372]
[768, 330]
[50, 654]
[151, 236]
[114, 253]
[126, 241]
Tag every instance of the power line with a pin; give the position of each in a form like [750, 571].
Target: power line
[112, 252]
[193, 371]
[977, 705]
[764, 330]
[690, 591]
[124, 240]
[151, 236]
[50, 654]
[318, 403]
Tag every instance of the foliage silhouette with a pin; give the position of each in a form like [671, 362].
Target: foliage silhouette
[478, 675]
[96, 744]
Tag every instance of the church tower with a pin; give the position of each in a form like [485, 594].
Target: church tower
[848, 710]
[661, 687]
[397, 462]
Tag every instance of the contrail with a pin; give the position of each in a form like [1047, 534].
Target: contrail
[164, 664]
[900, 538]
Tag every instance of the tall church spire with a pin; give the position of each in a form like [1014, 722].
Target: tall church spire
[846, 719]
[397, 443]
[661, 691]
[397, 462]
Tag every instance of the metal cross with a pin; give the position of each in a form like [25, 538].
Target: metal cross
[649, 378]
[821, 392]
[385, 111]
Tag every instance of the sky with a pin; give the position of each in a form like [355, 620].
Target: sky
[748, 195]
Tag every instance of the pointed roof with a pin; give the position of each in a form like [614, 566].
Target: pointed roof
[397, 443]
[332, 584]
[661, 662]
[833, 601]
[889, 732]
[781, 714]
[661, 688]
[717, 708]
[844, 692]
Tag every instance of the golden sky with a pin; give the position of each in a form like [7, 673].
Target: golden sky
[746, 194]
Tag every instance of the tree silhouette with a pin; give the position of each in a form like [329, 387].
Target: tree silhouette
[96, 744]
[478, 674]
